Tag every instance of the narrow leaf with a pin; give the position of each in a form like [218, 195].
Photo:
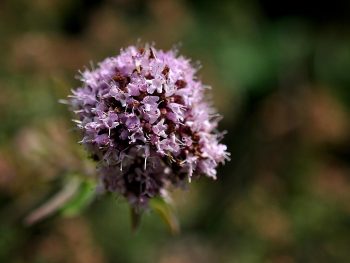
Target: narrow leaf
[166, 212]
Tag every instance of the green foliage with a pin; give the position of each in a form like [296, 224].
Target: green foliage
[166, 212]
[82, 198]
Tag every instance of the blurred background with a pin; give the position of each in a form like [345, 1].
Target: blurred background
[280, 76]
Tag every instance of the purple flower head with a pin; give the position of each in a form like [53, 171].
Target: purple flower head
[145, 120]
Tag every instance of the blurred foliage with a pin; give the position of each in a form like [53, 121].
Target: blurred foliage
[279, 73]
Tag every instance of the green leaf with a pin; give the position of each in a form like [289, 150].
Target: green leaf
[166, 212]
[80, 200]
[135, 218]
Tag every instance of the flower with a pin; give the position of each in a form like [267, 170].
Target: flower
[144, 118]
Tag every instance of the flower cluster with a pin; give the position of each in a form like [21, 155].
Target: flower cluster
[145, 120]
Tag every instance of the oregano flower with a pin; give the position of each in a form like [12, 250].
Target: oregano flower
[145, 119]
